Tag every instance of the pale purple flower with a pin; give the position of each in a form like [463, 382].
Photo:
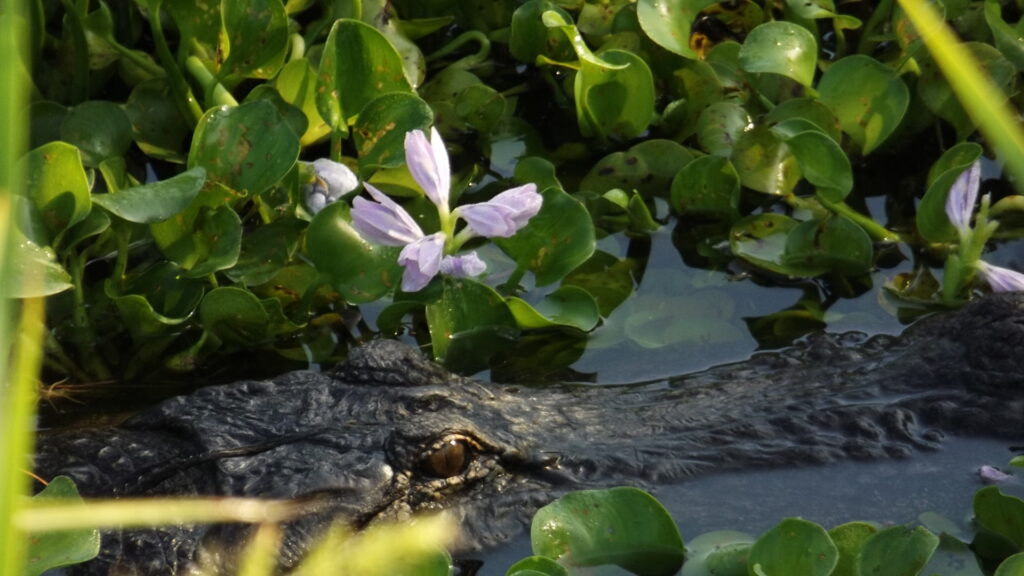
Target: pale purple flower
[962, 197]
[422, 260]
[463, 265]
[993, 475]
[331, 181]
[383, 221]
[999, 278]
[503, 215]
[428, 164]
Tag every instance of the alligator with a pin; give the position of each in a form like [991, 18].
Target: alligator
[389, 434]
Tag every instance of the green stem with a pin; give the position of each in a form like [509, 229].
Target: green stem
[879, 16]
[83, 334]
[512, 284]
[468, 61]
[298, 47]
[215, 92]
[874, 229]
[183, 96]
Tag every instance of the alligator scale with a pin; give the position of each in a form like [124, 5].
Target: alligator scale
[389, 433]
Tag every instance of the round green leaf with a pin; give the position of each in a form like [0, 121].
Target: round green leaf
[849, 539]
[568, 307]
[536, 566]
[897, 551]
[721, 125]
[360, 271]
[668, 22]
[616, 97]
[794, 547]
[709, 186]
[48, 550]
[782, 48]
[720, 553]
[761, 240]
[466, 321]
[57, 186]
[809, 110]
[1012, 566]
[530, 38]
[873, 111]
[606, 278]
[555, 241]
[932, 222]
[234, 315]
[764, 162]
[256, 34]
[296, 83]
[953, 558]
[35, 272]
[248, 148]
[157, 201]
[358, 65]
[624, 526]
[821, 160]
[157, 124]
[266, 250]
[835, 244]
[1000, 513]
[99, 129]
[381, 128]
[647, 167]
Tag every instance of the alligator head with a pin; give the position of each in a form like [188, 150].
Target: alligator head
[390, 434]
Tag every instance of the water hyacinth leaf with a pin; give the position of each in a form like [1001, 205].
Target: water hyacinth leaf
[761, 240]
[555, 241]
[467, 310]
[380, 131]
[99, 129]
[480, 106]
[530, 37]
[668, 22]
[656, 321]
[1007, 39]
[358, 64]
[539, 171]
[765, 163]
[157, 124]
[707, 186]
[615, 97]
[293, 117]
[794, 547]
[234, 315]
[94, 224]
[198, 22]
[156, 300]
[624, 526]
[360, 271]
[1000, 513]
[834, 244]
[256, 35]
[812, 9]
[157, 201]
[720, 127]
[647, 167]
[296, 83]
[849, 539]
[782, 48]
[899, 551]
[214, 244]
[35, 272]
[567, 307]
[822, 162]
[871, 113]
[248, 148]
[952, 558]
[932, 222]
[57, 187]
[607, 279]
[719, 553]
[809, 110]
[1012, 566]
[696, 86]
[266, 250]
[45, 119]
[536, 566]
[48, 550]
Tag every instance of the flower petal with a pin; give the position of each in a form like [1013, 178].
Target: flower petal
[503, 215]
[428, 164]
[999, 278]
[383, 221]
[332, 180]
[463, 265]
[962, 197]
[422, 261]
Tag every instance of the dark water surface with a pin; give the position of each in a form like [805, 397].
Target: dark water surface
[885, 491]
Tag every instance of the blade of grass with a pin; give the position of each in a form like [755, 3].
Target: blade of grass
[996, 120]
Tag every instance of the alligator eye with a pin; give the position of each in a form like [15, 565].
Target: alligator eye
[447, 459]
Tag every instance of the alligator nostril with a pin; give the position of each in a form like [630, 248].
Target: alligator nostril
[448, 459]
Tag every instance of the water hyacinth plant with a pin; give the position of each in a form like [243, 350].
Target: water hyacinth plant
[384, 222]
[963, 263]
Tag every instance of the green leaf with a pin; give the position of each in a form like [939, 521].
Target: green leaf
[157, 201]
[296, 83]
[616, 97]
[1000, 513]
[49, 550]
[953, 558]
[822, 162]
[668, 22]
[467, 323]
[835, 244]
[764, 162]
[381, 128]
[721, 125]
[360, 271]
[358, 65]
[530, 37]
[234, 315]
[266, 250]
[1012, 566]
[782, 48]
[57, 187]
[647, 167]
[555, 241]
[536, 566]
[794, 547]
[606, 278]
[708, 186]
[256, 37]
[205, 237]
[158, 127]
[35, 272]
[1007, 40]
[872, 112]
[624, 526]
[720, 553]
[808, 110]
[932, 222]
[897, 551]
[849, 539]
[566, 307]
[761, 239]
[99, 129]
[248, 148]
